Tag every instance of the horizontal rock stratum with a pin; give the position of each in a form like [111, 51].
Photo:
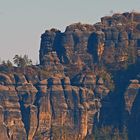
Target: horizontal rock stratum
[86, 86]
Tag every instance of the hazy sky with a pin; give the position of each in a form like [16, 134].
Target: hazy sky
[23, 21]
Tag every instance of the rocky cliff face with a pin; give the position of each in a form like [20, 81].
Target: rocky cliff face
[88, 79]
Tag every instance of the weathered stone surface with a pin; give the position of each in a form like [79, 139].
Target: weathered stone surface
[85, 79]
[47, 45]
[80, 84]
[3, 128]
[130, 94]
[11, 110]
[27, 93]
[33, 120]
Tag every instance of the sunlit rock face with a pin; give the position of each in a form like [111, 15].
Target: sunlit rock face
[11, 118]
[87, 79]
[42, 111]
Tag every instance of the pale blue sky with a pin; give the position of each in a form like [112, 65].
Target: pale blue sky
[23, 21]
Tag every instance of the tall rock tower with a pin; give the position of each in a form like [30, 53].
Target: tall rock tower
[47, 45]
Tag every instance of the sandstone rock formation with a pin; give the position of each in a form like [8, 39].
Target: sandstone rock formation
[87, 79]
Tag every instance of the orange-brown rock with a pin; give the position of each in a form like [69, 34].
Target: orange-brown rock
[80, 86]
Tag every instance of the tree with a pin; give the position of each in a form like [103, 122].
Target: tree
[27, 60]
[22, 61]
[7, 63]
